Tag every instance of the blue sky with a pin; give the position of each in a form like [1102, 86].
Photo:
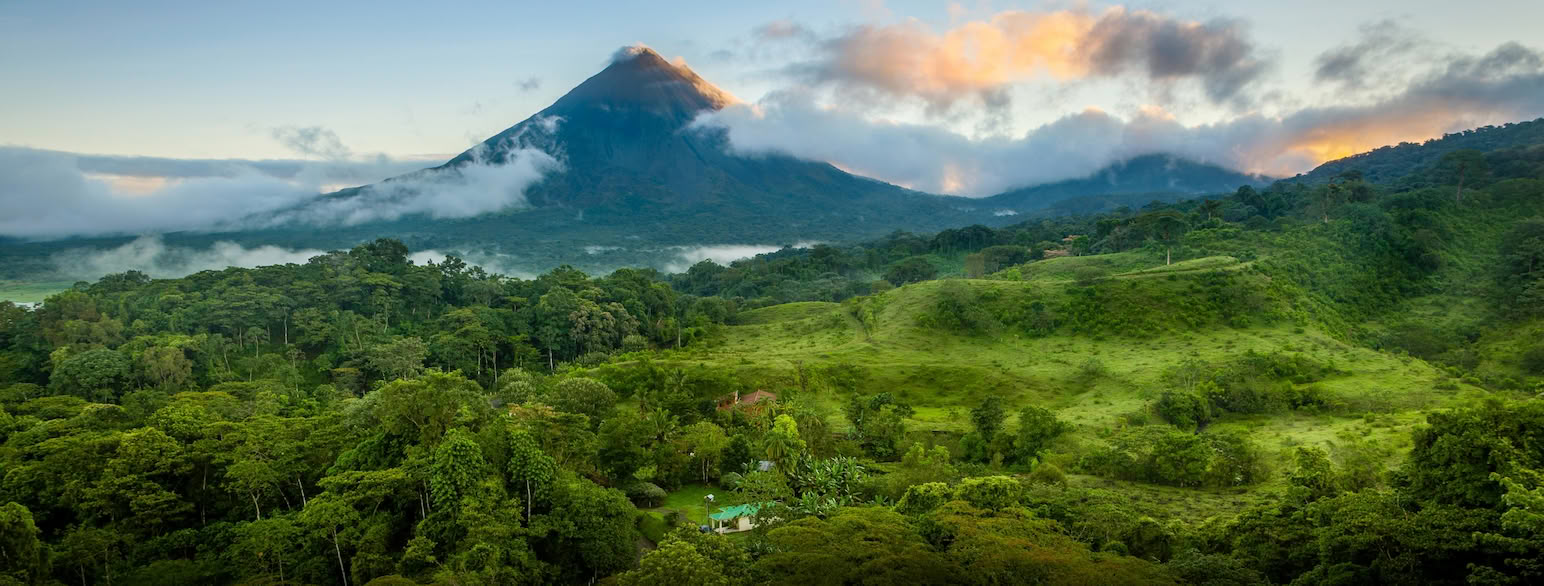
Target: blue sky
[210, 79]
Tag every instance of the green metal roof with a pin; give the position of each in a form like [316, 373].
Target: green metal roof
[737, 511]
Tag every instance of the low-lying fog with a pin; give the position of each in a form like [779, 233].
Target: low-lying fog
[153, 256]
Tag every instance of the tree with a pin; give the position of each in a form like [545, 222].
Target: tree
[867, 545]
[992, 493]
[625, 442]
[401, 358]
[585, 396]
[169, 368]
[135, 487]
[1457, 167]
[458, 466]
[1037, 427]
[530, 469]
[1314, 477]
[674, 562]
[1212, 208]
[267, 546]
[1452, 459]
[1167, 226]
[736, 455]
[427, 406]
[783, 444]
[1522, 273]
[1185, 410]
[24, 556]
[706, 442]
[988, 417]
[911, 270]
[252, 479]
[99, 375]
[590, 531]
[332, 519]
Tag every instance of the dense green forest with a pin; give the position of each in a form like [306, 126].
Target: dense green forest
[1334, 382]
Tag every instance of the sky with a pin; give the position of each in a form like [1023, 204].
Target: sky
[244, 107]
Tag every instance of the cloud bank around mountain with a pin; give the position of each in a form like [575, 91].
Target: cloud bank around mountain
[50, 194]
[1448, 92]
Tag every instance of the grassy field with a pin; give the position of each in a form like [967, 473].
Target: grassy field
[1093, 381]
[30, 292]
[688, 500]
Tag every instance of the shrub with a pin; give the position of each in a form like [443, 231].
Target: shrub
[990, 492]
[1186, 411]
[911, 270]
[646, 493]
[923, 498]
[1093, 367]
[1047, 473]
[1532, 360]
[958, 309]
[1087, 276]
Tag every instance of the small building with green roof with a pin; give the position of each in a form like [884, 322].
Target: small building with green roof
[736, 518]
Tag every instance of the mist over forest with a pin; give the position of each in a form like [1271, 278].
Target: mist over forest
[1037, 294]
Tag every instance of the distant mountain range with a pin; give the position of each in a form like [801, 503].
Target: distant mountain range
[1155, 176]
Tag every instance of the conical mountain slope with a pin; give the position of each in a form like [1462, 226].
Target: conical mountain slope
[626, 143]
[632, 170]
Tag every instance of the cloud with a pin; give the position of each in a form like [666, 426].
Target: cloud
[1506, 84]
[1217, 53]
[47, 194]
[492, 262]
[628, 52]
[312, 141]
[152, 256]
[782, 30]
[529, 84]
[978, 60]
[493, 179]
[723, 254]
[50, 194]
[1370, 59]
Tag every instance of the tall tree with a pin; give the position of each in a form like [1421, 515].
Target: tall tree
[530, 469]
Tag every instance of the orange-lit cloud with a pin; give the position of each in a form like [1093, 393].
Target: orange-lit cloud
[977, 59]
[1504, 85]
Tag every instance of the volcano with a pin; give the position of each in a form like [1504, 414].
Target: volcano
[632, 164]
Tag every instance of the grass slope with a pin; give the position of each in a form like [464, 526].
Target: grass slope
[1099, 381]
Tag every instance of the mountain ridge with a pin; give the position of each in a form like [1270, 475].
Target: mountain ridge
[1160, 174]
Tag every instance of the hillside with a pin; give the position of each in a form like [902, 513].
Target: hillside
[1389, 163]
[1138, 180]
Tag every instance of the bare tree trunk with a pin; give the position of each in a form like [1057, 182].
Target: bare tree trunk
[302, 486]
[339, 551]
